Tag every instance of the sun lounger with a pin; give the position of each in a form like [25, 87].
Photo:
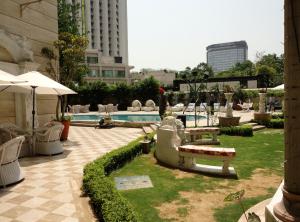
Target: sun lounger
[135, 106]
[178, 107]
[149, 106]
[190, 107]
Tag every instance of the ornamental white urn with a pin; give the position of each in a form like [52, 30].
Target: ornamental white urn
[229, 110]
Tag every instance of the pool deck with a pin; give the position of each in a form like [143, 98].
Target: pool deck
[245, 116]
[51, 191]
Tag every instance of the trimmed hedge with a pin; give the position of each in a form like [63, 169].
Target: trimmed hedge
[107, 202]
[277, 122]
[237, 131]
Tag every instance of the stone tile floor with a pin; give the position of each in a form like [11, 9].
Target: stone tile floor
[51, 189]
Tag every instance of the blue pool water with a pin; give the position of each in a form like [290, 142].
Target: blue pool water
[127, 117]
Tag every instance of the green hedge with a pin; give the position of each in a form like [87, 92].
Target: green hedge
[237, 131]
[276, 123]
[107, 202]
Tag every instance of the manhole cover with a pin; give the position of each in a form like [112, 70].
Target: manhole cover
[133, 182]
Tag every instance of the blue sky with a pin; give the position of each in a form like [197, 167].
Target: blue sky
[174, 33]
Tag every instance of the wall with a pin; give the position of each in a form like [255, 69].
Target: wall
[21, 39]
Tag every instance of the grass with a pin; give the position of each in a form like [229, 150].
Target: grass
[263, 150]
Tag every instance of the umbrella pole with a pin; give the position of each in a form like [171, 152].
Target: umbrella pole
[33, 117]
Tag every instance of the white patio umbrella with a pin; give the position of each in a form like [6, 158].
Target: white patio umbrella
[279, 87]
[41, 84]
[6, 80]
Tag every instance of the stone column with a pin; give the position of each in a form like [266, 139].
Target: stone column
[96, 24]
[105, 37]
[88, 22]
[228, 97]
[262, 103]
[289, 208]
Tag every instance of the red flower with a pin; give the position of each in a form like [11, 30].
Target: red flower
[161, 90]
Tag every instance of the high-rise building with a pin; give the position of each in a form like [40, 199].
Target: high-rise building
[223, 56]
[104, 22]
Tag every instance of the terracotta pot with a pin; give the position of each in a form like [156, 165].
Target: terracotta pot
[65, 132]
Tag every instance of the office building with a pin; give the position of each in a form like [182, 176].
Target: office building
[104, 22]
[223, 56]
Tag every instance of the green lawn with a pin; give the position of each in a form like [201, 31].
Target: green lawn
[263, 150]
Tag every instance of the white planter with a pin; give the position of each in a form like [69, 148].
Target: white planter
[229, 110]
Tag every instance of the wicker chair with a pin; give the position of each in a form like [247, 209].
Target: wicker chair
[15, 131]
[101, 108]
[48, 141]
[10, 171]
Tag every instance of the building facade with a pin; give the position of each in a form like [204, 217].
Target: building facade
[26, 28]
[165, 77]
[104, 22]
[223, 56]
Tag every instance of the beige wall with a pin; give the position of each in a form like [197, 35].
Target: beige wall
[21, 39]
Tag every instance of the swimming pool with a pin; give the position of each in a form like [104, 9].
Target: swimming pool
[128, 117]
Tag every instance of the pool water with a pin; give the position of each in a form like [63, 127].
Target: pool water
[128, 117]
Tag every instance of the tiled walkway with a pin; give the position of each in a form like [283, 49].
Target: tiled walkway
[51, 190]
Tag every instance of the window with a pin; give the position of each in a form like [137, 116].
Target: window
[92, 60]
[108, 73]
[120, 74]
[93, 73]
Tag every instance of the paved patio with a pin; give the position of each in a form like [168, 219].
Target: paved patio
[51, 189]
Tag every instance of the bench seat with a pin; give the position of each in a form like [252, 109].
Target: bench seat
[195, 135]
[188, 152]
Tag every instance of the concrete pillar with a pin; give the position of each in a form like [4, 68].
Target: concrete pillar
[289, 208]
[96, 24]
[88, 22]
[105, 37]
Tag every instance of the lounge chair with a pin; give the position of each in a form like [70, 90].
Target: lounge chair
[85, 108]
[217, 107]
[178, 107]
[190, 107]
[101, 108]
[48, 140]
[74, 108]
[203, 107]
[135, 106]
[10, 171]
[149, 106]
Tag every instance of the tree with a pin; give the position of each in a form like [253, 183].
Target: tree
[275, 62]
[267, 74]
[68, 18]
[246, 68]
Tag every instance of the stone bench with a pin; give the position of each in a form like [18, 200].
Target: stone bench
[195, 135]
[219, 153]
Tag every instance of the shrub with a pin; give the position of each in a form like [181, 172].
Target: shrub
[276, 123]
[237, 131]
[278, 116]
[108, 204]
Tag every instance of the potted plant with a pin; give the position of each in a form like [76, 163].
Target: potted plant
[66, 121]
[146, 144]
